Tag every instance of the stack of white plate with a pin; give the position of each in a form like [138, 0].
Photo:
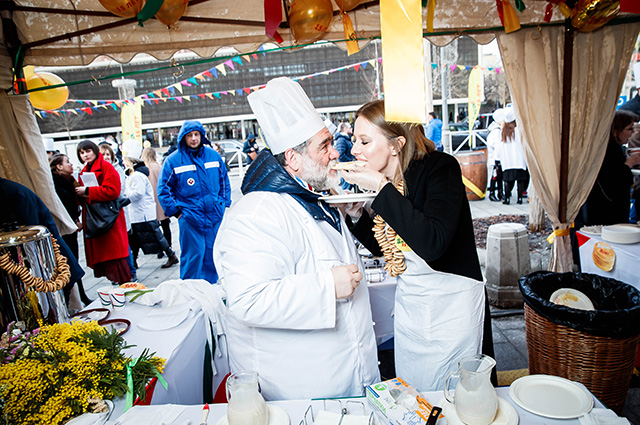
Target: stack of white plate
[621, 233]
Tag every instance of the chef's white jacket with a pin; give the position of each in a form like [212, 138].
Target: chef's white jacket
[283, 319]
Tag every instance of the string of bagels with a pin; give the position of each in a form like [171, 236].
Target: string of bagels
[386, 237]
[59, 278]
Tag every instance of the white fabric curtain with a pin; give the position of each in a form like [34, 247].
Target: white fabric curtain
[533, 61]
[22, 155]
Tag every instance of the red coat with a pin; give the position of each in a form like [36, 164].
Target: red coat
[114, 244]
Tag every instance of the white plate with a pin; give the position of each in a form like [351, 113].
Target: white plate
[573, 298]
[551, 396]
[347, 198]
[277, 416]
[591, 230]
[506, 415]
[621, 233]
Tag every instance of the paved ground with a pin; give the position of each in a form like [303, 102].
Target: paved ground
[508, 325]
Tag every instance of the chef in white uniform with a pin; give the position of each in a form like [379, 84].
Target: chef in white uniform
[298, 310]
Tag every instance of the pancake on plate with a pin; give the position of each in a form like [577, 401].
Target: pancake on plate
[350, 165]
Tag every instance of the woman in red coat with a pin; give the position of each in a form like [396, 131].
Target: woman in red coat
[106, 254]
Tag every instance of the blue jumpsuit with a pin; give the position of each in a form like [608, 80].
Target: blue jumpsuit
[194, 184]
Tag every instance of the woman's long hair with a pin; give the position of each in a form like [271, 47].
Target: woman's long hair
[149, 156]
[417, 145]
[508, 131]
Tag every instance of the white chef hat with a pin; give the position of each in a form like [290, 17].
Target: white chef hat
[132, 148]
[510, 116]
[498, 115]
[285, 114]
[48, 144]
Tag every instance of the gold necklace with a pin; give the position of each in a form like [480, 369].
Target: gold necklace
[386, 237]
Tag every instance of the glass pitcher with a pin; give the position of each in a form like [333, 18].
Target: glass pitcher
[475, 399]
[246, 405]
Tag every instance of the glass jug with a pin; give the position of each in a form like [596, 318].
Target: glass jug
[246, 405]
[475, 399]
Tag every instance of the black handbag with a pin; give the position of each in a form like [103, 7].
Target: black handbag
[100, 217]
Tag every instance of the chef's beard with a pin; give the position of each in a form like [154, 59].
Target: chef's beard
[317, 175]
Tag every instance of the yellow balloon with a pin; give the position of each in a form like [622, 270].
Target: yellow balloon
[171, 11]
[124, 8]
[347, 5]
[47, 99]
[589, 15]
[310, 19]
[28, 71]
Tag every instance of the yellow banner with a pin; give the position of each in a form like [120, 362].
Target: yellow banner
[131, 118]
[475, 95]
[403, 71]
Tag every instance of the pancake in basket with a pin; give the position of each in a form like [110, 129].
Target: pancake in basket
[604, 256]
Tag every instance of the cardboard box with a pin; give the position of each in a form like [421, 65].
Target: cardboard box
[398, 403]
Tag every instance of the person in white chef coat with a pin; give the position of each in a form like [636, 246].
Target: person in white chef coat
[298, 308]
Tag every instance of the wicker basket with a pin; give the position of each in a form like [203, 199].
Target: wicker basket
[604, 365]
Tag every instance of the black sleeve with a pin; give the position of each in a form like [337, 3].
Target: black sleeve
[363, 231]
[427, 228]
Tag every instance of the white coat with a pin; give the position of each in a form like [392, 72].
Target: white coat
[510, 153]
[143, 205]
[283, 319]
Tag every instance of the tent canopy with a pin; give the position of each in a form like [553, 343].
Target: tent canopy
[75, 32]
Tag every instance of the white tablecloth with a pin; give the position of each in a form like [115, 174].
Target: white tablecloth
[627, 264]
[183, 346]
[296, 410]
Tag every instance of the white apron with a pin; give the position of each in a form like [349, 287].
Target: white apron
[438, 320]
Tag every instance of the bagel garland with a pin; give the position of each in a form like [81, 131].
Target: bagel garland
[386, 237]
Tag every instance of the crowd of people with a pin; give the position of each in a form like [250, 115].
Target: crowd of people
[288, 262]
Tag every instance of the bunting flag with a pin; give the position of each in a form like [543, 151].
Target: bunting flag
[431, 11]
[401, 29]
[511, 21]
[154, 98]
[349, 35]
[222, 69]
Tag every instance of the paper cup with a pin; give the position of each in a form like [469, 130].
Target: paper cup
[105, 295]
[117, 298]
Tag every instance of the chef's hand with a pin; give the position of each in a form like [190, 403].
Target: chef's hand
[346, 280]
[352, 209]
[364, 177]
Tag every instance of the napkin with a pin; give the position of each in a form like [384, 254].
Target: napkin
[137, 415]
[330, 418]
[168, 317]
[599, 416]
[92, 418]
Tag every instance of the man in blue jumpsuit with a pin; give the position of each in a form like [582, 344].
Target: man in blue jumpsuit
[194, 187]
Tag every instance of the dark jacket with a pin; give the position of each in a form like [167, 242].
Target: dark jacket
[23, 206]
[434, 218]
[632, 105]
[267, 175]
[608, 202]
[67, 194]
[343, 145]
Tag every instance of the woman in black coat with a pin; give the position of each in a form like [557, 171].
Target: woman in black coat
[62, 173]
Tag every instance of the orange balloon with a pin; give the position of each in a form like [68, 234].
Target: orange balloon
[347, 5]
[47, 99]
[171, 11]
[310, 19]
[589, 15]
[124, 8]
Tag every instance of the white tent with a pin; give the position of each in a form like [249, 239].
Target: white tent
[556, 77]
